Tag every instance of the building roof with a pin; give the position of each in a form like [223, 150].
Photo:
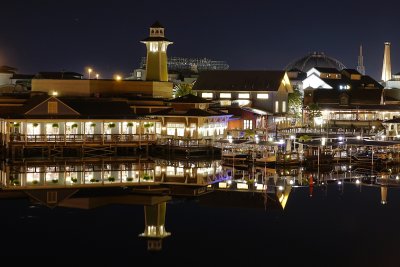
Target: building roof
[351, 71]
[391, 94]
[155, 39]
[357, 97]
[157, 24]
[327, 70]
[235, 80]
[315, 59]
[7, 69]
[82, 108]
[22, 76]
[195, 112]
[189, 98]
[58, 75]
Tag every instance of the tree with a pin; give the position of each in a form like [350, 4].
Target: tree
[182, 89]
[313, 112]
[295, 102]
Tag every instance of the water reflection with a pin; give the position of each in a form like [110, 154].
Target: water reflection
[155, 182]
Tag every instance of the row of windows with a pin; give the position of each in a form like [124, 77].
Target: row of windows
[229, 95]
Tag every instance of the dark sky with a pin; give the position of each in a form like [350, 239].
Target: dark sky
[44, 35]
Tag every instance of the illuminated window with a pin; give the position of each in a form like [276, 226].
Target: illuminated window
[225, 95]
[207, 95]
[276, 106]
[283, 106]
[139, 74]
[225, 102]
[52, 107]
[244, 95]
[153, 47]
[262, 96]
[247, 124]
[163, 47]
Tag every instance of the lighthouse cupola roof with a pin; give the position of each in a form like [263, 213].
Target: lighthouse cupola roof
[157, 33]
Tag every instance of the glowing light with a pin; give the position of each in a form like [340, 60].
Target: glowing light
[358, 181]
[358, 137]
[54, 93]
[97, 76]
[339, 182]
[291, 182]
[280, 188]
[118, 77]
[292, 137]
[89, 71]
[323, 141]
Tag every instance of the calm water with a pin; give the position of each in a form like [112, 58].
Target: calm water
[338, 226]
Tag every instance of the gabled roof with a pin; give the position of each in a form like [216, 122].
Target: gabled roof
[82, 108]
[189, 98]
[101, 108]
[235, 80]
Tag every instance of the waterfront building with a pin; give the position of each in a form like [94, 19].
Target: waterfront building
[348, 99]
[55, 126]
[260, 95]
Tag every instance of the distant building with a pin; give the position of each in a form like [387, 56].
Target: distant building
[315, 59]
[182, 69]
[11, 81]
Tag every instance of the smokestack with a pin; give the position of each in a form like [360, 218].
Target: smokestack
[387, 67]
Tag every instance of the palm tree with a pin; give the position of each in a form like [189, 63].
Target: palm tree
[182, 89]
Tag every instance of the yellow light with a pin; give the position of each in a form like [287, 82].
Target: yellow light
[97, 76]
[89, 71]
[55, 93]
[118, 77]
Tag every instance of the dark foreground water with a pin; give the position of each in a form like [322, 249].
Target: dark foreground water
[335, 227]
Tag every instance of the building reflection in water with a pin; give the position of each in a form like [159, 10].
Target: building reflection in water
[155, 206]
[262, 186]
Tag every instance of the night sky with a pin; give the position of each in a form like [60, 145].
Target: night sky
[44, 35]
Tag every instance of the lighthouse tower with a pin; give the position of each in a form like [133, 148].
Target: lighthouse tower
[156, 62]
[154, 229]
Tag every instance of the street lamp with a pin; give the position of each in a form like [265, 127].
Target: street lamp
[97, 76]
[89, 71]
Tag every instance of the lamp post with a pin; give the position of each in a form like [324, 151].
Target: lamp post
[89, 71]
[97, 76]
